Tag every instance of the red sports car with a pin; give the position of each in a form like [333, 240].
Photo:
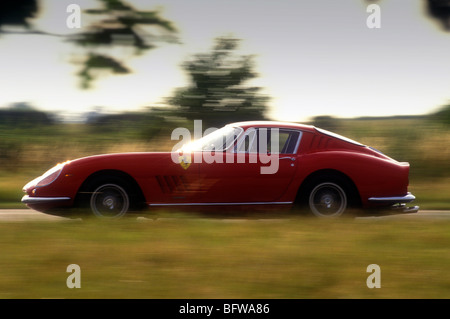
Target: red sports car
[245, 164]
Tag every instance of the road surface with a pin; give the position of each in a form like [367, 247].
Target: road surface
[25, 215]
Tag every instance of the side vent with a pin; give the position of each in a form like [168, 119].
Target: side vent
[320, 142]
[170, 184]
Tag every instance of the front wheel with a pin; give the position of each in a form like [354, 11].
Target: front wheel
[109, 201]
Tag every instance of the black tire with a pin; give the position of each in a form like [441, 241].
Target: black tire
[107, 197]
[327, 199]
[327, 196]
[109, 200]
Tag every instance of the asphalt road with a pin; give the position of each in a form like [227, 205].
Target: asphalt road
[25, 215]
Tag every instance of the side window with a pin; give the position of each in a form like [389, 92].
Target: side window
[287, 141]
[262, 140]
[290, 143]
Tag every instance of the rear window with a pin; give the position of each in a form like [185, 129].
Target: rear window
[343, 138]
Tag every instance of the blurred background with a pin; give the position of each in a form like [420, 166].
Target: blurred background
[112, 76]
[83, 77]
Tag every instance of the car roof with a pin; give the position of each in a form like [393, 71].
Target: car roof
[280, 124]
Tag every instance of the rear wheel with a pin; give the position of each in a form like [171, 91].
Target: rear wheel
[327, 199]
[328, 195]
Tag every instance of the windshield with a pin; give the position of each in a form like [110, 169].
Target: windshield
[218, 140]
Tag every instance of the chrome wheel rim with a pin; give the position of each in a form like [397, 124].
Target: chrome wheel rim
[327, 200]
[109, 201]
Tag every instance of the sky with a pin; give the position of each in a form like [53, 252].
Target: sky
[312, 58]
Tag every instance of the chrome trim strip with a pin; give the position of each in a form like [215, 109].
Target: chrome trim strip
[292, 158]
[300, 135]
[41, 200]
[218, 204]
[395, 199]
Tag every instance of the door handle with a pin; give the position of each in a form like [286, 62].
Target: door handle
[292, 158]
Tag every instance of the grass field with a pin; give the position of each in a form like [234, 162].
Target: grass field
[213, 258]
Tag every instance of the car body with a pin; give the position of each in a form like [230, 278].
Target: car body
[244, 164]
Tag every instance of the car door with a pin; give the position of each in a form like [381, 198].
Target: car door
[258, 168]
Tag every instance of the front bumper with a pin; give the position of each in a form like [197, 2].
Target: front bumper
[398, 203]
[42, 200]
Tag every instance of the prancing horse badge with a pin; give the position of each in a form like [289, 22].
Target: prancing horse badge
[185, 160]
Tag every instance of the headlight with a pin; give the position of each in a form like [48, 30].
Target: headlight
[47, 178]
[50, 176]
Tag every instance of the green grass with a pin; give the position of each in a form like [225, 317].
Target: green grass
[213, 258]
[431, 194]
[11, 185]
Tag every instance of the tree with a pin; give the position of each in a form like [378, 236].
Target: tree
[440, 9]
[442, 115]
[22, 114]
[118, 25]
[17, 13]
[217, 94]
[436, 9]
